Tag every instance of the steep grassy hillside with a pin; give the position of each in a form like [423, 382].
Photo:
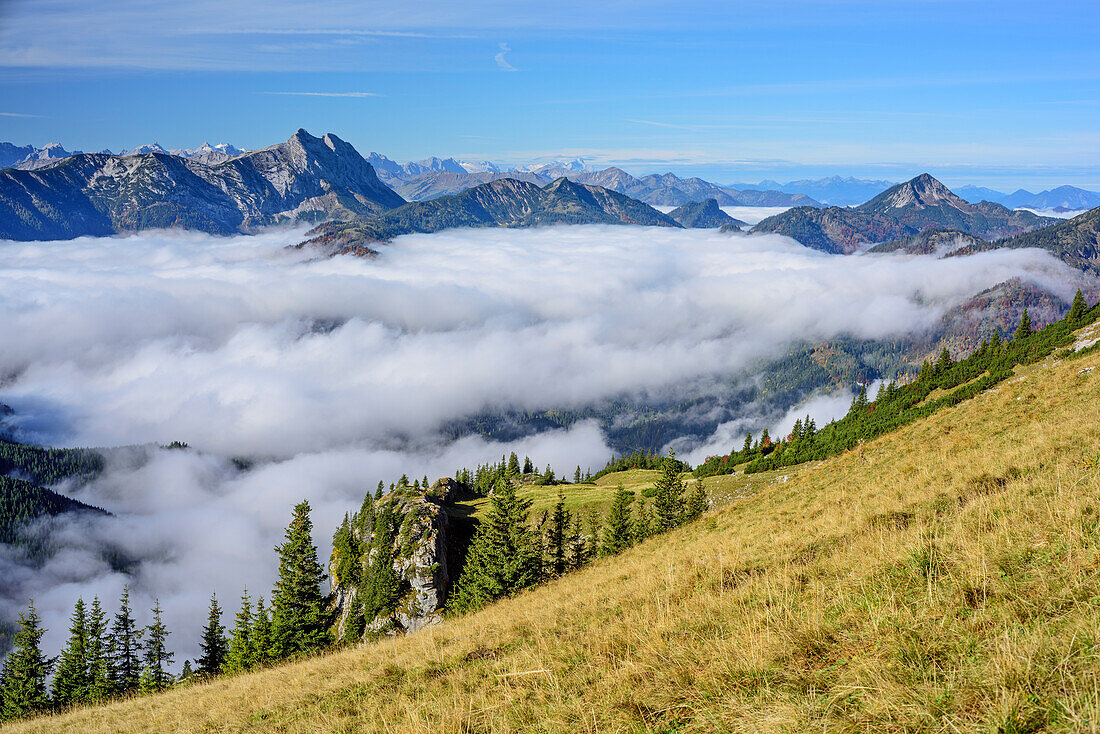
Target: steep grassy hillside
[944, 577]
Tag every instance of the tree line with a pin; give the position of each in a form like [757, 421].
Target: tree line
[106, 658]
[509, 553]
[896, 404]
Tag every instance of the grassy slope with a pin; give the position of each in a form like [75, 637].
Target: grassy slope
[945, 577]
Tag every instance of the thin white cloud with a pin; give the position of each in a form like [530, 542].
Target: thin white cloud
[355, 95]
[19, 114]
[503, 62]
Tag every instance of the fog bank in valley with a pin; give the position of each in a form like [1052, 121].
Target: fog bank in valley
[337, 373]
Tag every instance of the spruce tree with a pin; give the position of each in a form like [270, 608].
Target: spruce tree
[381, 586]
[528, 467]
[1024, 329]
[25, 670]
[71, 681]
[125, 648]
[513, 463]
[502, 559]
[943, 362]
[347, 552]
[669, 498]
[98, 653]
[1078, 308]
[557, 538]
[697, 502]
[618, 530]
[643, 522]
[578, 545]
[186, 674]
[261, 635]
[859, 402]
[241, 656]
[214, 645]
[298, 619]
[748, 443]
[155, 676]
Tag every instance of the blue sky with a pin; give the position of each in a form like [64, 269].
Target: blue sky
[1004, 94]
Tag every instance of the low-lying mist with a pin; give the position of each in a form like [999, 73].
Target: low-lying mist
[337, 373]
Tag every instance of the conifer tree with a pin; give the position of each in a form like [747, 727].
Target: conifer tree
[748, 443]
[155, 676]
[577, 475]
[1078, 308]
[943, 362]
[214, 645]
[578, 545]
[669, 498]
[513, 463]
[503, 558]
[25, 670]
[382, 584]
[528, 467]
[347, 552]
[298, 619]
[697, 502]
[557, 538]
[261, 635]
[618, 530]
[381, 490]
[71, 682]
[995, 341]
[186, 674]
[643, 522]
[1024, 329]
[241, 655]
[98, 653]
[859, 402]
[125, 648]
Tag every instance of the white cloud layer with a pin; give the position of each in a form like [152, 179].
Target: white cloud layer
[342, 371]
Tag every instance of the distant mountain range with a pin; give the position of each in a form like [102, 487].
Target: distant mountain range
[1061, 199]
[899, 212]
[833, 191]
[305, 178]
[504, 202]
[433, 177]
[840, 191]
[29, 156]
[222, 189]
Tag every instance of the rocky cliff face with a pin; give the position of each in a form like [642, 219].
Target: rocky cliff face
[394, 562]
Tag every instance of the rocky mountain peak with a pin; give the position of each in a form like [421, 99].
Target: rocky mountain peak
[922, 191]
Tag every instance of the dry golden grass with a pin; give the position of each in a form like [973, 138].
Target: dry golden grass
[945, 578]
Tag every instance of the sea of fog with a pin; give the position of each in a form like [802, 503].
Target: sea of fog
[339, 372]
[748, 214]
